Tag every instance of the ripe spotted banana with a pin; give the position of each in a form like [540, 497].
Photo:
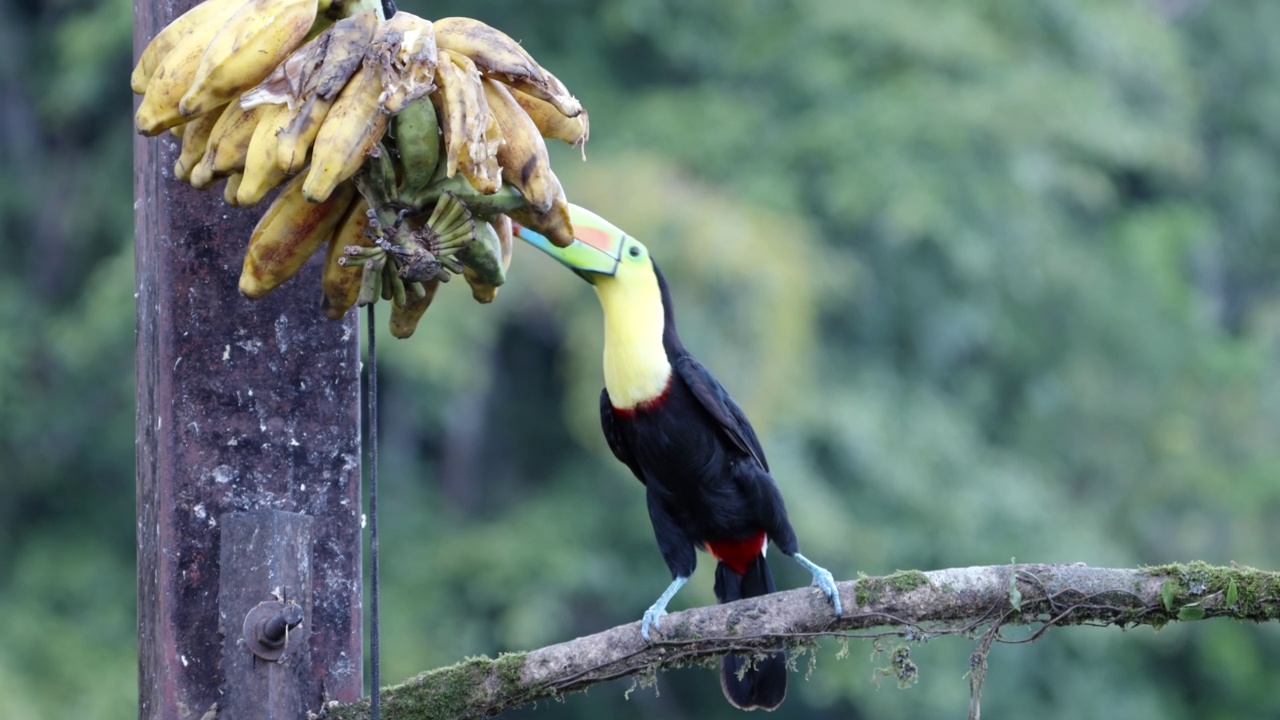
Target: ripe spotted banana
[257, 38]
[552, 123]
[289, 232]
[555, 224]
[262, 171]
[492, 50]
[351, 130]
[478, 160]
[523, 156]
[228, 144]
[206, 15]
[195, 140]
[293, 142]
[341, 283]
[552, 90]
[171, 78]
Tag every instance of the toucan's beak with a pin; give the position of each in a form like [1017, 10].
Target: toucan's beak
[595, 250]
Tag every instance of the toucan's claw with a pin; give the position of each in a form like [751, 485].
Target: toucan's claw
[652, 616]
[823, 580]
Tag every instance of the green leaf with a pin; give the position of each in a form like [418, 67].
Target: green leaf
[1191, 613]
[1166, 594]
[1233, 594]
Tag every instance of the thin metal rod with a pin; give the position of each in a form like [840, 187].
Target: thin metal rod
[375, 674]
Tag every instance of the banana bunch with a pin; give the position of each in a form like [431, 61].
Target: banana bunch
[405, 147]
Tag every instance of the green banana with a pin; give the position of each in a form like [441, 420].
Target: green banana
[417, 136]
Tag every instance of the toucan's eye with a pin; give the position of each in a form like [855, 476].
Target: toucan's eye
[635, 251]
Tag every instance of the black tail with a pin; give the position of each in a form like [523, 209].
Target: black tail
[763, 685]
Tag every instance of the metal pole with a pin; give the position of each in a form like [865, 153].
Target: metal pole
[242, 406]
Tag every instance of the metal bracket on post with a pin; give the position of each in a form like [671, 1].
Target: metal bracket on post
[264, 608]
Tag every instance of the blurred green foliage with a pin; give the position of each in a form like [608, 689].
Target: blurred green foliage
[993, 280]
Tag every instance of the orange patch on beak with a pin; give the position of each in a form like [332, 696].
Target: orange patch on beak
[598, 239]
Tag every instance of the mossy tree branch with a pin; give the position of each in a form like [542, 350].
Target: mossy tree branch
[910, 605]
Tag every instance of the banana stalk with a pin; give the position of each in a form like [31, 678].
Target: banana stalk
[505, 200]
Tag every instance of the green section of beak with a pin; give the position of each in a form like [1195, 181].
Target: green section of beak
[596, 248]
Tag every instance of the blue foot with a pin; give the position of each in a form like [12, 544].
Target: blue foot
[823, 580]
[653, 616]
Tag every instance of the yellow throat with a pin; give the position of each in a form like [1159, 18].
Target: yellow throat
[636, 368]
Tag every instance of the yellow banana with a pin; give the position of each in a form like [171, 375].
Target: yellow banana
[404, 319]
[229, 192]
[261, 169]
[257, 38]
[450, 109]
[476, 157]
[404, 49]
[351, 130]
[228, 144]
[493, 51]
[552, 90]
[554, 224]
[195, 140]
[475, 107]
[172, 77]
[341, 284]
[211, 13]
[293, 143]
[289, 232]
[523, 156]
[552, 123]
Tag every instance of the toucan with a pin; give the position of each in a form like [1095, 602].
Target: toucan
[668, 419]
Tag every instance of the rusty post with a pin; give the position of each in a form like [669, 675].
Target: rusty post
[241, 406]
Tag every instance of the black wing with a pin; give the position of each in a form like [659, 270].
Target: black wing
[613, 435]
[726, 412]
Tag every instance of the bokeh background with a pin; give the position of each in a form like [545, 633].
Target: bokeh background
[993, 279]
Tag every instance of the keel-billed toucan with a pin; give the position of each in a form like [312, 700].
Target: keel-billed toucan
[667, 418]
